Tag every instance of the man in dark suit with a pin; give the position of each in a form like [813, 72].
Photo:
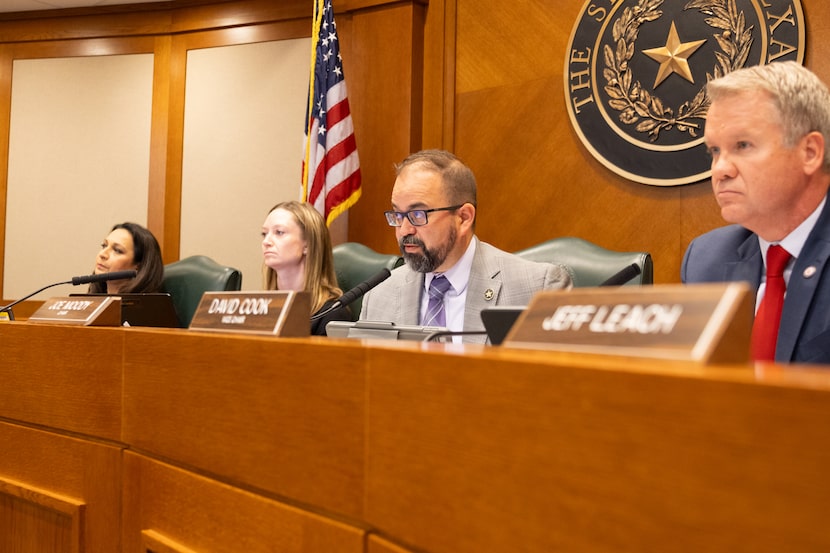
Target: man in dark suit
[768, 131]
[433, 212]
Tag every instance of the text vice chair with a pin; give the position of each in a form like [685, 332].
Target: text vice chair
[588, 263]
[354, 263]
[188, 279]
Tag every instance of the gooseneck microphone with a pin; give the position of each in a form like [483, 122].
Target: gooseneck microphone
[355, 293]
[115, 275]
[622, 276]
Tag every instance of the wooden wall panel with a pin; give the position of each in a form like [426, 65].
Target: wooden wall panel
[377, 544]
[308, 404]
[385, 85]
[536, 179]
[78, 390]
[62, 493]
[481, 77]
[35, 520]
[169, 510]
[564, 455]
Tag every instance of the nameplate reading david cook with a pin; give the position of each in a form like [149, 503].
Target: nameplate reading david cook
[88, 311]
[273, 313]
[702, 322]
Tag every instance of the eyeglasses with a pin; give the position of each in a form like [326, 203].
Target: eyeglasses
[418, 217]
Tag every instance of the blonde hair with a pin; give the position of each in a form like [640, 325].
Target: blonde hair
[320, 280]
[802, 100]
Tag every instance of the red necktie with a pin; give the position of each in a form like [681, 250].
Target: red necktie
[768, 317]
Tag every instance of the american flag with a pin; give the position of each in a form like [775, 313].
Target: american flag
[331, 168]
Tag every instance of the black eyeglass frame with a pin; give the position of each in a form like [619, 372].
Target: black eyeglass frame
[395, 218]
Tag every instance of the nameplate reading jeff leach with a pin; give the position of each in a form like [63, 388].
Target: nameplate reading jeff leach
[703, 322]
[652, 318]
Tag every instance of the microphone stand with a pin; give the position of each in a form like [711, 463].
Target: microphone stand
[8, 308]
[115, 275]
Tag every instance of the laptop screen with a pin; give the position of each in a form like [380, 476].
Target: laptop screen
[499, 320]
[146, 310]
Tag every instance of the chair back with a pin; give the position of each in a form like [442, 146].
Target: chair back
[588, 263]
[188, 279]
[354, 263]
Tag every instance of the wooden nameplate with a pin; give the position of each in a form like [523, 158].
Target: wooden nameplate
[274, 313]
[710, 323]
[83, 311]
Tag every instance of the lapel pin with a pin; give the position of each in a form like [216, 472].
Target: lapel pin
[488, 294]
[809, 271]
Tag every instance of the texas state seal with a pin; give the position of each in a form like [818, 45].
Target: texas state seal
[636, 74]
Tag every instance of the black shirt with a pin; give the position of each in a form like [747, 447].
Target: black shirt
[318, 326]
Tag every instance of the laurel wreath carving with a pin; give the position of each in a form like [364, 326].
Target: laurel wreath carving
[638, 105]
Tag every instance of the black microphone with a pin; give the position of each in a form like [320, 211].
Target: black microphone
[115, 275]
[622, 276]
[355, 292]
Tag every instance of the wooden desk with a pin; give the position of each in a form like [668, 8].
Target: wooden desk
[203, 442]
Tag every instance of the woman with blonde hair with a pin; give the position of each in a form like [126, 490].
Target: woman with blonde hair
[296, 249]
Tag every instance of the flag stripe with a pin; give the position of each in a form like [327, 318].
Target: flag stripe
[331, 175]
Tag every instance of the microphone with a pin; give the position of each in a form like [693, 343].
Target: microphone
[355, 292]
[622, 276]
[115, 275]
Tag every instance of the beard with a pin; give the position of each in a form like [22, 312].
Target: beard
[430, 259]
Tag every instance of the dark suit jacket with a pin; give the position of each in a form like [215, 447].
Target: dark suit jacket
[318, 326]
[733, 254]
[496, 278]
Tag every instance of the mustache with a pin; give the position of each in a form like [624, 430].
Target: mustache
[411, 240]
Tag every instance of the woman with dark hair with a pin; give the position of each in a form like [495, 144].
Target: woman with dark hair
[129, 246]
[296, 249]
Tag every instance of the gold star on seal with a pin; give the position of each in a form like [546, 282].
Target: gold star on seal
[673, 57]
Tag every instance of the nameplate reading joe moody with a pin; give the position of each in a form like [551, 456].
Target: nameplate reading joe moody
[705, 322]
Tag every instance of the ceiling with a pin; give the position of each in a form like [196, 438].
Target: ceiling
[31, 5]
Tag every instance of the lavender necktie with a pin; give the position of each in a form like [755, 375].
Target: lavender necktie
[435, 315]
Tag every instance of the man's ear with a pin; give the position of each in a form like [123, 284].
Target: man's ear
[467, 212]
[812, 148]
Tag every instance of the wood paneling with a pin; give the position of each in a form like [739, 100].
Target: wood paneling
[168, 510]
[377, 544]
[470, 454]
[536, 180]
[58, 493]
[307, 403]
[239, 443]
[481, 77]
[36, 520]
[385, 85]
[70, 383]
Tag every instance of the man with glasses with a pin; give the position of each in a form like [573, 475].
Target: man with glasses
[449, 275]
[767, 130]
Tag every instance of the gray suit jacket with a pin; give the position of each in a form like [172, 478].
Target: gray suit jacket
[496, 278]
[733, 254]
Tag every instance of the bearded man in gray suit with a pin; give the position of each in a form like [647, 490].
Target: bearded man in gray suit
[433, 212]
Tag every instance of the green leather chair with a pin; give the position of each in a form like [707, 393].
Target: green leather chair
[588, 263]
[354, 263]
[187, 279]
